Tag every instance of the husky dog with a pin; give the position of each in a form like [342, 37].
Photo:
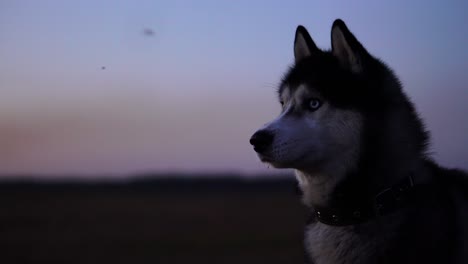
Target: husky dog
[359, 153]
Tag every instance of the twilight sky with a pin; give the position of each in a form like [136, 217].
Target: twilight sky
[84, 90]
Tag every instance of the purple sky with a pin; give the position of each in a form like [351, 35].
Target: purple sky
[188, 96]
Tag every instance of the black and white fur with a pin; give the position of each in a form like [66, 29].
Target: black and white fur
[349, 131]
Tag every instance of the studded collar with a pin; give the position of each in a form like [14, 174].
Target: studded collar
[386, 201]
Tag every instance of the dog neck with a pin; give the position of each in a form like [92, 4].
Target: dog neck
[316, 189]
[319, 183]
[352, 197]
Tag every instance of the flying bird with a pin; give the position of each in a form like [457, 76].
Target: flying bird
[148, 32]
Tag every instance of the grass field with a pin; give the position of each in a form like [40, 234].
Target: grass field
[151, 223]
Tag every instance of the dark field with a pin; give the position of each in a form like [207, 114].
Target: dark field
[152, 221]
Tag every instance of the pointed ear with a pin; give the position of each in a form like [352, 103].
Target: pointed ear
[304, 46]
[346, 48]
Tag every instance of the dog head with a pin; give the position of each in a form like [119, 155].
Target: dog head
[323, 98]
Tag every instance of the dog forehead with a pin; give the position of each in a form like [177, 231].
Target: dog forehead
[332, 84]
[298, 91]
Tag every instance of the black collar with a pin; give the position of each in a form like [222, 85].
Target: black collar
[386, 201]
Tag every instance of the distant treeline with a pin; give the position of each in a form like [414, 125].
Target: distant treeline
[158, 183]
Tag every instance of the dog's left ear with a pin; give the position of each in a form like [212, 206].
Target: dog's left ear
[346, 48]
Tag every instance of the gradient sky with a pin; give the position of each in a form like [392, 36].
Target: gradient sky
[188, 97]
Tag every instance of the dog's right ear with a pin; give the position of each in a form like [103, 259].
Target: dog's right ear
[304, 46]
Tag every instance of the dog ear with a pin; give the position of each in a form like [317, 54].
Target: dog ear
[346, 48]
[304, 46]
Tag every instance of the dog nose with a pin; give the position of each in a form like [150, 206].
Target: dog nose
[261, 140]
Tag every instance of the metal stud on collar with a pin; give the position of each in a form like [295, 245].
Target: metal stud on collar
[335, 218]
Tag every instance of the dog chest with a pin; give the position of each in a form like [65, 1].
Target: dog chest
[337, 245]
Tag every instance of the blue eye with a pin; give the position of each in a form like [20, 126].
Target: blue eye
[314, 104]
